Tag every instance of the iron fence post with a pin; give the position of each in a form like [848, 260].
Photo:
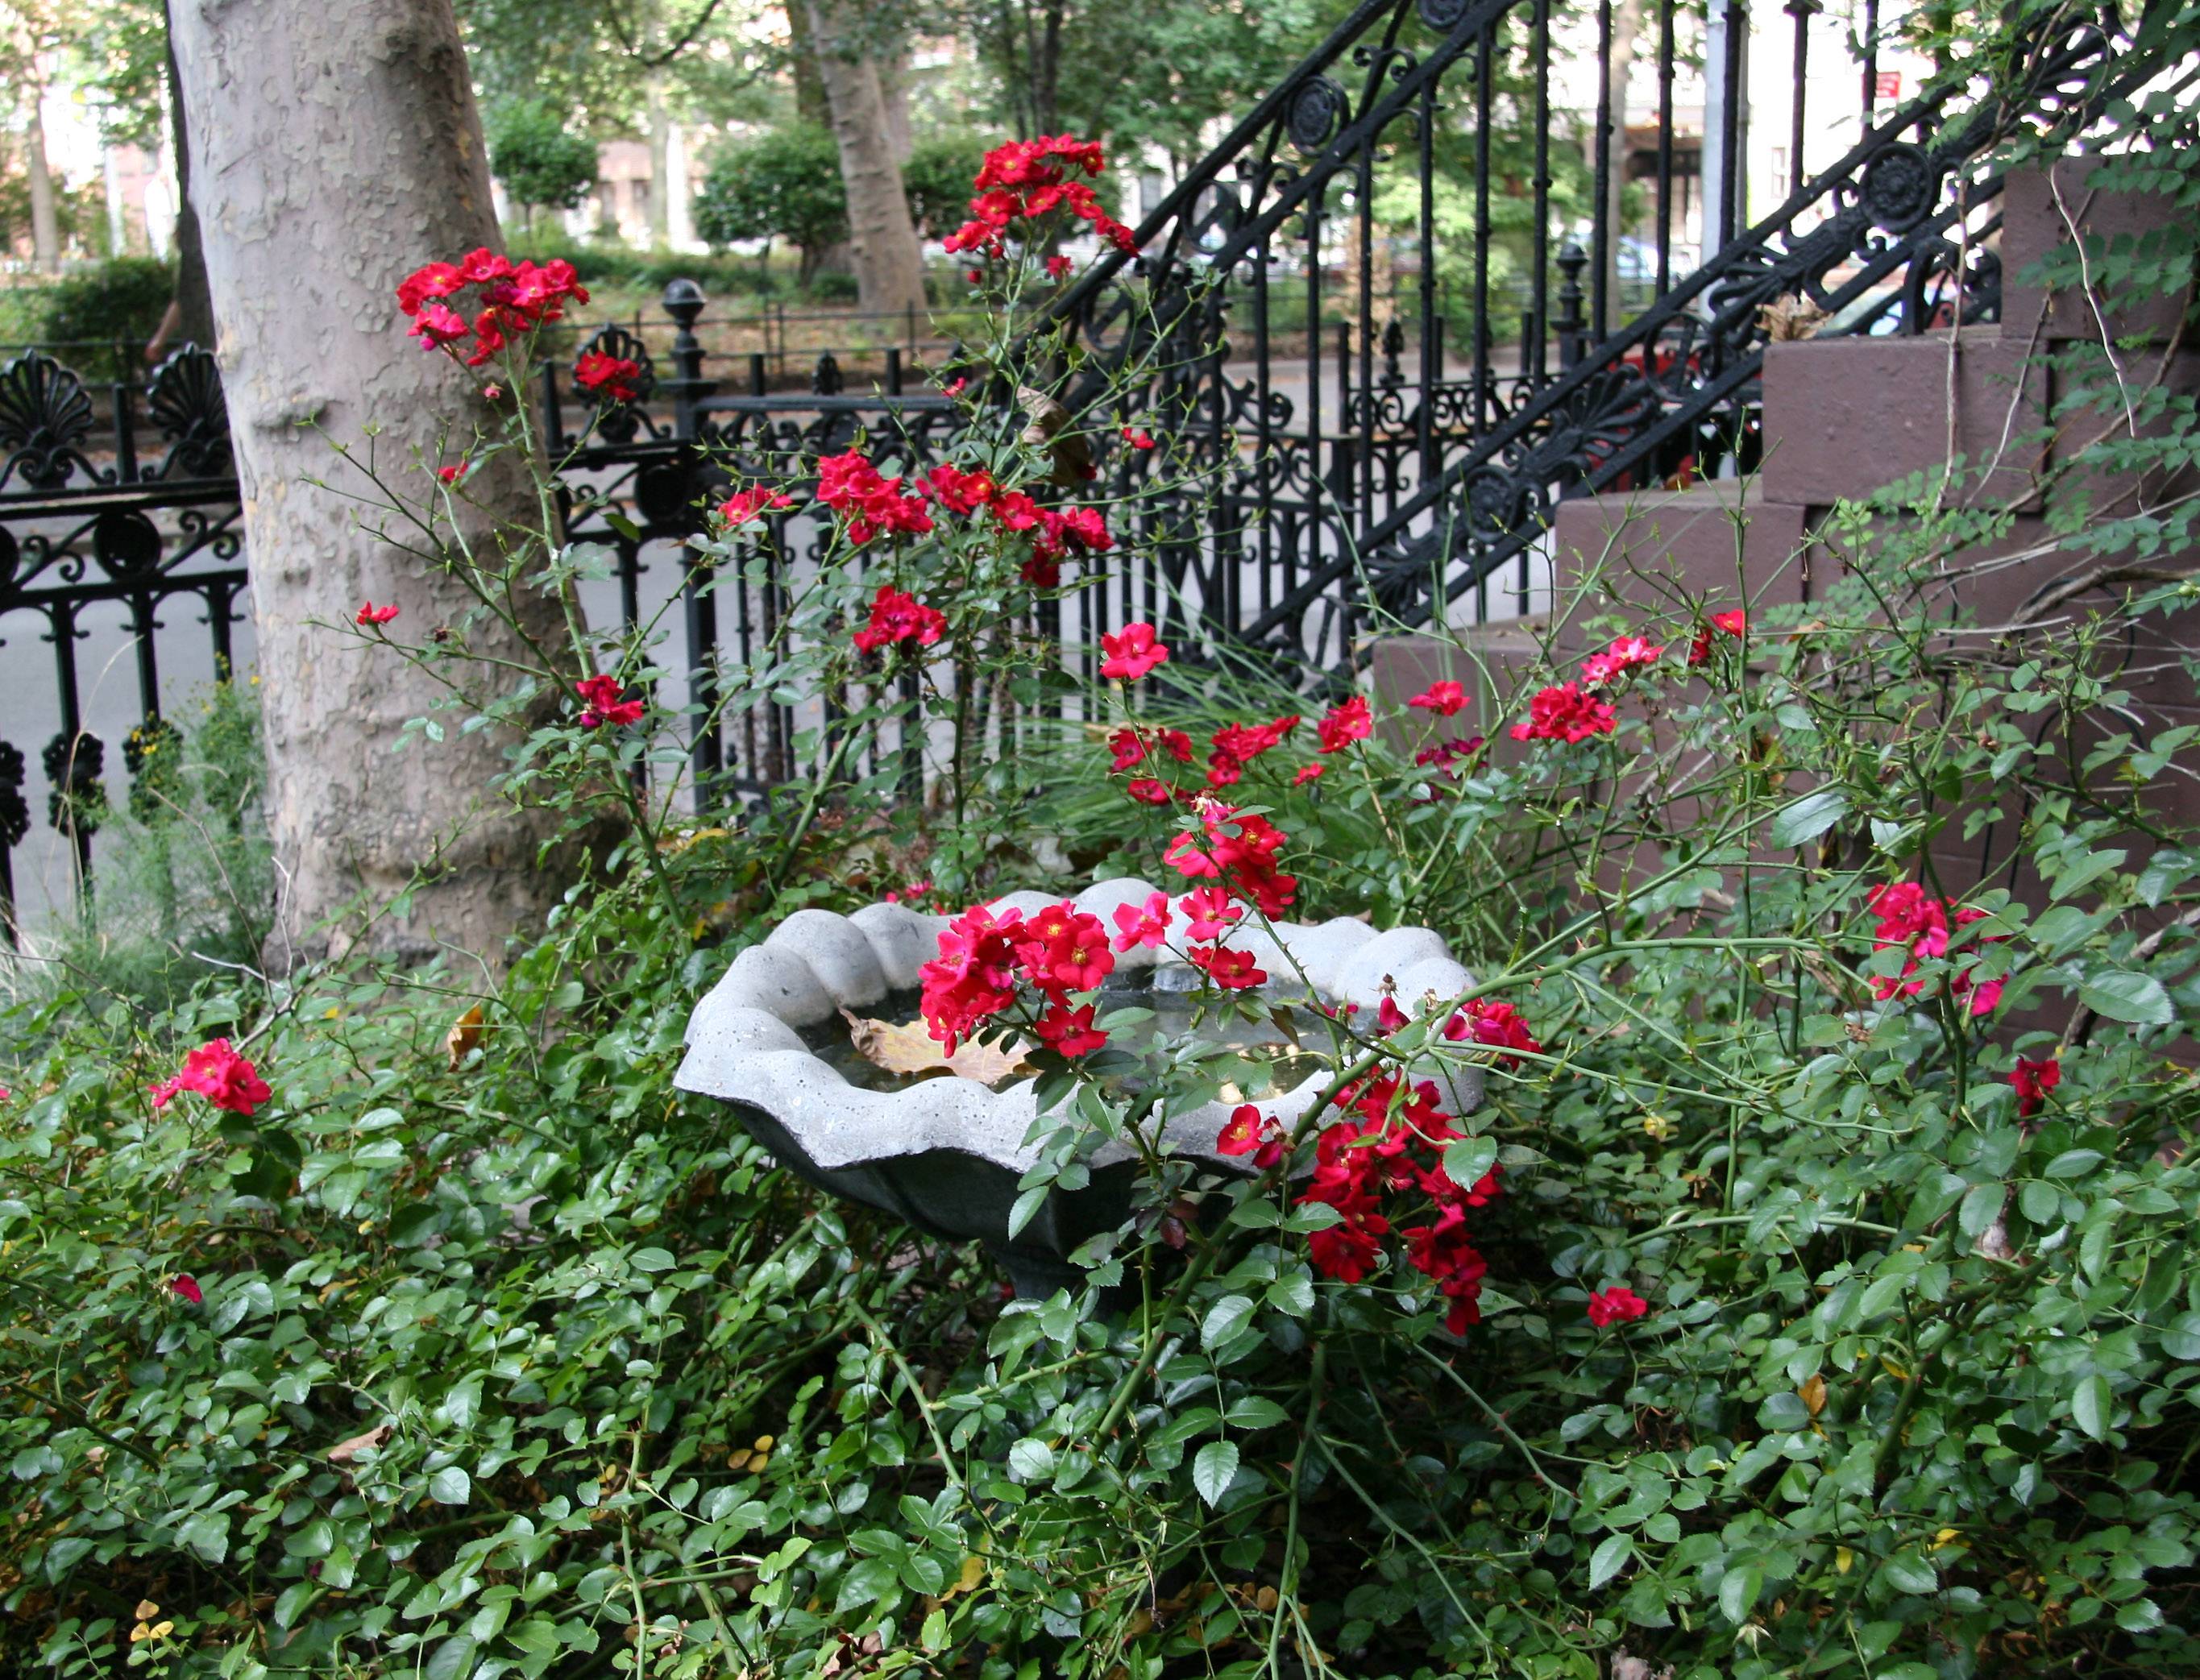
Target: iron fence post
[684, 302]
[1570, 324]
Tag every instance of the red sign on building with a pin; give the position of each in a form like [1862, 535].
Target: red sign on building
[1886, 84]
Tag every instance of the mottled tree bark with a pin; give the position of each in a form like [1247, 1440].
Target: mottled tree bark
[889, 268]
[335, 147]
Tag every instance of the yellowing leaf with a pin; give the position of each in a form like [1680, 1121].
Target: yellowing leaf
[1844, 1559]
[146, 1610]
[1895, 1370]
[973, 1571]
[910, 1049]
[465, 1035]
[1813, 1393]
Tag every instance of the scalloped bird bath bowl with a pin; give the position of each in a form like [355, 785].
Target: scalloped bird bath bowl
[944, 1153]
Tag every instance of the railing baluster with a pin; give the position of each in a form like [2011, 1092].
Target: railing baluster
[1664, 150]
[1601, 233]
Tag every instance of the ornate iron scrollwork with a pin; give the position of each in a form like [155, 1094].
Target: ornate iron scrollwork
[46, 415]
[1899, 187]
[127, 545]
[184, 398]
[1318, 111]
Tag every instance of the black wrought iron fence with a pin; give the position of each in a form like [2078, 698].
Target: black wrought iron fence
[1374, 464]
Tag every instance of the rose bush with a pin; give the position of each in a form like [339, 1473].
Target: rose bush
[1812, 1293]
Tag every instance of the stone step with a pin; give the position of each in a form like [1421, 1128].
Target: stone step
[1844, 418]
[2043, 209]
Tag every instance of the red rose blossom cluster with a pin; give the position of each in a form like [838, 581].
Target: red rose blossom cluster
[1027, 180]
[1391, 1141]
[2033, 1078]
[602, 702]
[1485, 1021]
[757, 499]
[1237, 744]
[219, 1074]
[1626, 653]
[1237, 851]
[369, 614]
[1446, 699]
[1616, 1305]
[1910, 917]
[1348, 722]
[983, 958]
[869, 504]
[1053, 533]
[1132, 653]
[1566, 713]
[514, 299]
[898, 617]
[1723, 624]
[616, 379]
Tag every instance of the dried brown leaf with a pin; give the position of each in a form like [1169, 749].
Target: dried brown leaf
[910, 1049]
[465, 1035]
[345, 1451]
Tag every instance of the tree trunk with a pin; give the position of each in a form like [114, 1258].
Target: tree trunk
[334, 147]
[810, 102]
[660, 114]
[893, 88]
[889, 269]
[45, 221]
[194, 303]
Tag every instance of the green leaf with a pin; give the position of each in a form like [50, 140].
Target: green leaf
[1807, 818]
[1225, 1319]
[654, 1259]
[2121, 995]
[1028, 1204]
[1738, 1592]
[1214, 1469]
[1466, 1159]
[207, 1534]
[2090, 1406]
[1293, 1295]
[1981, 1206]
[2072, 1162]
[2181, 1340]
[1609, 1558]
[450, 1485]
[1031, 1460]
[1910, 1572]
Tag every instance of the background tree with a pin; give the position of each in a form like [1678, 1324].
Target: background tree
[612, 68]
[290, 202]
[889, 267]
[783, 183]
[542, 162]
[28, 40]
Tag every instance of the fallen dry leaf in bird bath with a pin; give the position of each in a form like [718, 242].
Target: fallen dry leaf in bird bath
[465, 1033]
[910, 1049]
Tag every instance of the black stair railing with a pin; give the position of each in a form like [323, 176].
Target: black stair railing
[1420, 137]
